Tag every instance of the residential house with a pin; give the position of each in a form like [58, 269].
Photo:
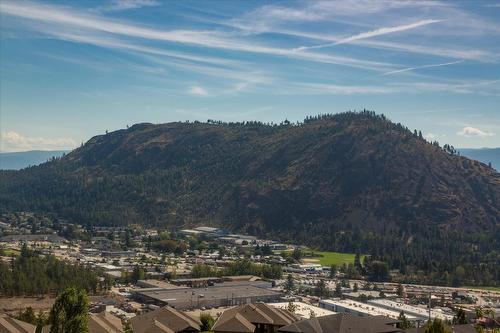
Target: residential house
[11, 325]
[165, 320]
[105, 322]
[253, 318]
[343, 323]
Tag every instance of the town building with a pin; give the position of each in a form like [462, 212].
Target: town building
[454, 329]
[342, 323]
[250, 318]
[360, 309]
[223, 294]
[104, 322]
[165, 320]
[303, 310]
[409, 310]
[11, 325]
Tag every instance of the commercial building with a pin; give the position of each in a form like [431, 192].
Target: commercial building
[360, 309]
[409, 310]
[303, 310]
[151, 283]
[224, 294]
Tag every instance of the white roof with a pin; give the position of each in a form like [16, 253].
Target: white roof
[368, 309]
[410, 309]
[304, 310]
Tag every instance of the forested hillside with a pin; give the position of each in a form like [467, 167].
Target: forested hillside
[345, 182]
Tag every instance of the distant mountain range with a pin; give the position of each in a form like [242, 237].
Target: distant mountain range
[485, 155]
[346, 182]
[21, 160]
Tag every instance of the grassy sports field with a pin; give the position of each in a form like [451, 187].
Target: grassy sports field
[327, 258]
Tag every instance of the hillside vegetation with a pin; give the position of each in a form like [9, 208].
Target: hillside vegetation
[350, 182]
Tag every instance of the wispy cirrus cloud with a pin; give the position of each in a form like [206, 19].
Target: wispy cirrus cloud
[485, 87]
[373, 33]
[408, 69]
[119, 5]
[59, 19]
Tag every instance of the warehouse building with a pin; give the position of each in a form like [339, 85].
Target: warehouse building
[360, 309]
[421, 313]
[224, 294]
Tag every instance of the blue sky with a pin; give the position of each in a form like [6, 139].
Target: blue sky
[73, 69]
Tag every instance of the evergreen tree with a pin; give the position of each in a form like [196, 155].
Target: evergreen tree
[357, 262]
[400, 290]
[321, 289]
[333, 271]
[338, 290]
[138, 274]
[436, 326]
[70, 312]
[404, 323]
[207, 321]
[27, 315]
[289, 284]
[460, 318]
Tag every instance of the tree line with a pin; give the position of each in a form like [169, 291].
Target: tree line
[239, 267]
[32, 274]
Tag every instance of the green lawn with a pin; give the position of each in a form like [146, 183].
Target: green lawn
[326, 258]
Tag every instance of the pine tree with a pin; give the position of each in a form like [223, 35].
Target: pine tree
[436, 326]
[400, 290]
[460, 318]
[321, 289]
[70, 312]
[289, 284]
[338, 290]
[404, 323]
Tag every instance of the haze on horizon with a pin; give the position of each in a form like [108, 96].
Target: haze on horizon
[72, 70]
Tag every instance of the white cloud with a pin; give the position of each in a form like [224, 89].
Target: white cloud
[373, 33]
[430, 136]
[483, 87]
[119, 5]
[52, 20]
[122, 5]
[12, 141]
[422, 67]
[335, 89]
[199, 91]
[471, 132]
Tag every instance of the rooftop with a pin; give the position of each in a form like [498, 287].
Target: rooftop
[368, 309]
[192, 297]
[303, 310]
[342, 323]
[411, 310]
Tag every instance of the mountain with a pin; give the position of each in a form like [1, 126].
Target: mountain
[24, 159]
[346, 182]
[485, 155]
